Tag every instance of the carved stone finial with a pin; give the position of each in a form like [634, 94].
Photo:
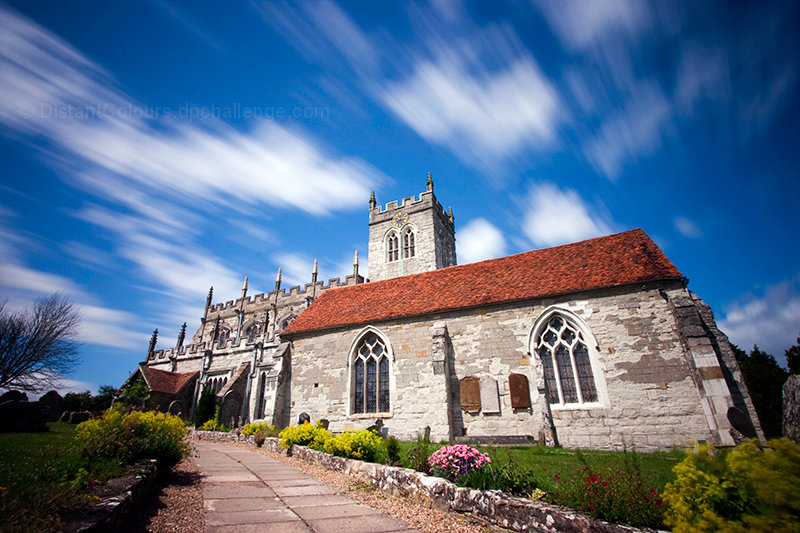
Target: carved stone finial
[153, 340]
[182, 335]
[315, 267]
[450, 216]
[210, 295]
[429, 183]
[372, 201]
[355, 258]
[278, 277]
[244, 287]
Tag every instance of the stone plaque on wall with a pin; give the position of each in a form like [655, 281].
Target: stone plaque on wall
[470, 394]
[520, 391]
[490, 399]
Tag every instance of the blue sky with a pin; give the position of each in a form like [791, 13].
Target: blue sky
[153, 149]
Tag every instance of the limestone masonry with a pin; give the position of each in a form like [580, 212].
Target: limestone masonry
[594, 344]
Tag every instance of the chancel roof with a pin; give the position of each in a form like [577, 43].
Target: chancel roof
[165, 381]
[614, 260]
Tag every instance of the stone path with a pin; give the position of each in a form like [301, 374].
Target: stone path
[246, 491]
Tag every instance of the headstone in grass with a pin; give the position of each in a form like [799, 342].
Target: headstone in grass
[18, 416]
[53, 404]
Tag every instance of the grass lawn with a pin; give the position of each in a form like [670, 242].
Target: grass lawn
[40, 473]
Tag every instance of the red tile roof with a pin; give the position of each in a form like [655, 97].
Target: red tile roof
[165, 381]
[619, 259]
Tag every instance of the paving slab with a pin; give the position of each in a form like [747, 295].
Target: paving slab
[245, 491]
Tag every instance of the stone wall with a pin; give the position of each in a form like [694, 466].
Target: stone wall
[649, 398]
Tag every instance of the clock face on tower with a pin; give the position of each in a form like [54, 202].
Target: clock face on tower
[400, 219]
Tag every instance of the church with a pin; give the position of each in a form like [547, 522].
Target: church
[596, 344]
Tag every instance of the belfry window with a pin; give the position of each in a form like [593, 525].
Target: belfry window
[392, 248]
[408, 243]
[370, 376]
[566, 363]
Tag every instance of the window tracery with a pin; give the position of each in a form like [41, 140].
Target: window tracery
[409, 248]
[370, 375]
[566, 363]
[392, 247]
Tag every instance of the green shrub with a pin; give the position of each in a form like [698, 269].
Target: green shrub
[363, 445]
[418, 455]
[752, 488]
[133, 436]
[312, 435]
[392, 446]
[617, 493]
[206, 406]
[255, 427]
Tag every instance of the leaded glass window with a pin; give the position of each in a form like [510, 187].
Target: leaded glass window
[393, 248]
[566, 364]
[370, 376]
[408, 243]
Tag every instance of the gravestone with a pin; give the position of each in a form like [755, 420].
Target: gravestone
[490, 398]
[520, 391]
[470, 394]
[16, 416]
[304, 418]
[13, 395]
[791, 408]
[53, 404]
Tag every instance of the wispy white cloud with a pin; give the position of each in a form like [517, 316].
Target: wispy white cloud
[295, 268]
[687, 228]
[477, 113]
[52, 91]
[770, 319]
[20, 277]
[479, 239]
[557, 216]
[109, 327]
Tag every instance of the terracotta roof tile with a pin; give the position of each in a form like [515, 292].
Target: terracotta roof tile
[165, 381]
[619, 259]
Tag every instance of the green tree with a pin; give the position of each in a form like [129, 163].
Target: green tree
[206, 407]
[793, 358]
[764, 378]
[136, 388]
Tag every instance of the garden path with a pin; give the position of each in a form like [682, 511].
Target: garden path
[245, 491]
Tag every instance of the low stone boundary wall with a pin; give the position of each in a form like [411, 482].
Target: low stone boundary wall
[111, 513]
[517, 514]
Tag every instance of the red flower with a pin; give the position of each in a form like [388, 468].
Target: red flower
[654, 492]
[659, 502]
[557, 477]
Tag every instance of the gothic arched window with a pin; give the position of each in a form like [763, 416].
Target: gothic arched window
[408, 243]
[370, 376]
[251, 332]
[392, 247]
[564, 352]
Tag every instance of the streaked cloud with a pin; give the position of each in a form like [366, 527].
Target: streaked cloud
[479, 239]
[770, 319]
[109, 327]
[476, 113]
[556, 216]
[51, 91]
[295, 268]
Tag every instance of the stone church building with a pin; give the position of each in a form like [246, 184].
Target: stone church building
[593, 344]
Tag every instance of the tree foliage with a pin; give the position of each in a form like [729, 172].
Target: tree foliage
[37, 345]
[84, 401]
[793, 358]
[206, 406]
[764, 379]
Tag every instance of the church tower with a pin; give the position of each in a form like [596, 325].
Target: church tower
[415, 236]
